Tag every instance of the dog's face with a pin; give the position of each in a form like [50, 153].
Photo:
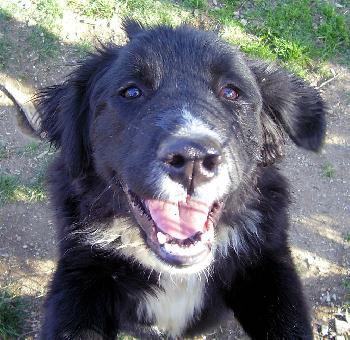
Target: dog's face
[176, 124]
[181, 121]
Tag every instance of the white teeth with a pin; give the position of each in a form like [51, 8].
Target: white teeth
[187, 251]
[161, 237]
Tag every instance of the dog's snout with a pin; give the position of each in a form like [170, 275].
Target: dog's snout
[191, 161]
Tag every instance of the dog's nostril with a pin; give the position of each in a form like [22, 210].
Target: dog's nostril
[177, 161]
[210, 162]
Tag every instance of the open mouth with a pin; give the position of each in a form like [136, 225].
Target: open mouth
[180, 233]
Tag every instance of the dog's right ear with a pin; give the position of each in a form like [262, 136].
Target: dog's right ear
[65, 112]
[290, 105]
[132, 28]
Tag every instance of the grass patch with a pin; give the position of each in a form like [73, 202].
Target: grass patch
[197, 4]
[11, 314]
[51, 9]
[347, 237]
[43, 42]
[94, 8]
[84, 47]
[12, 189]
[328, 170]
[302, 37]
[30, 149]
[5, 46]
[346, 284]
[5, 152]
[151, 12]
[298, 35]
[333, 31]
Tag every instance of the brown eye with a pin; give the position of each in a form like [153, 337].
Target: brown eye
[131, 92]
[228, 93]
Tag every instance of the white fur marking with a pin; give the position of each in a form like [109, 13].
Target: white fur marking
[173, 309]
[194, 126]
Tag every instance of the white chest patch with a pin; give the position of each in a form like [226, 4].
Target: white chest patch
[173, 309]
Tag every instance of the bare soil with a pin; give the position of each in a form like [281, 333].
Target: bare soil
[320, 211]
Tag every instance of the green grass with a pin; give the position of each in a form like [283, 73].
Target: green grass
[11, 314]
[197, 4]
[30, 149]
[151, 12]
[44, 42]
[84, 47]
[4, 55]
[333, 31]
[5, 152]
[48, 13]
[301, 35]
[328, 170]
[346, 284]
[347, 237]
[13, 189]
[298, 35]
[94, 8]
[5, 46]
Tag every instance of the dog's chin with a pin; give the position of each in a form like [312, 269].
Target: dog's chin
[180, 252]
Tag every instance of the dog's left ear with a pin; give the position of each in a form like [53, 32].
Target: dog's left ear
[65, 110]
[291, 104]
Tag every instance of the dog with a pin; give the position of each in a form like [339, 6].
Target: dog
[171, 212]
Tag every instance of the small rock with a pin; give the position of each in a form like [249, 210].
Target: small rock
[328, 297]
[215, 3]
[244, 22]
[24, 246]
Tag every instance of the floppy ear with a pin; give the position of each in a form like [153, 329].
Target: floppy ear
[64, 110]
[290, 105]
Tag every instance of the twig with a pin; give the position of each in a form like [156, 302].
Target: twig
[327, 81]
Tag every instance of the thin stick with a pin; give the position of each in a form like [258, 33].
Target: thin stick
[328, 81]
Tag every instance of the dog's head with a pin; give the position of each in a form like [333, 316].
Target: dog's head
[180, 120]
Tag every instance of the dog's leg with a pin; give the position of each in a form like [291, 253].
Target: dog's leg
[267, 299]
[80, 302]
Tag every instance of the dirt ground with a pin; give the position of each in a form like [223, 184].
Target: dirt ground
[320, 212]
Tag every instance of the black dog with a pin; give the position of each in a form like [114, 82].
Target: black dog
[170, 211]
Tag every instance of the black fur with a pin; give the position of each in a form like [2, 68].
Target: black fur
[106, 140]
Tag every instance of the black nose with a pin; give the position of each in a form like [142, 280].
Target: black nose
[191, 161]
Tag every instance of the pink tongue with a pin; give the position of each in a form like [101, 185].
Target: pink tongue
[179, 219]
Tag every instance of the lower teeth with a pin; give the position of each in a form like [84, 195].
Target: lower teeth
[161, 237]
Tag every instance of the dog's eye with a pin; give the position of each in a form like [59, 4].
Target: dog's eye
[228, 92]
[131, 92]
